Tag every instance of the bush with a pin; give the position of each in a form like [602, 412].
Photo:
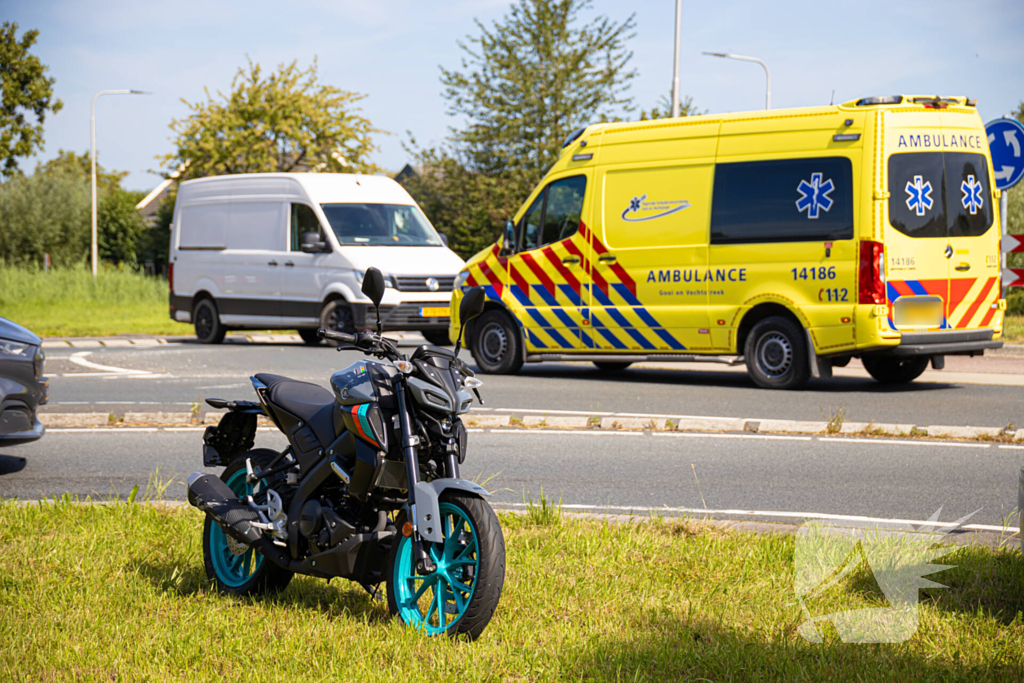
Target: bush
[45, 213]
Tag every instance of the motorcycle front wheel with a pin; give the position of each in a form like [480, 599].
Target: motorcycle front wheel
[461, 594]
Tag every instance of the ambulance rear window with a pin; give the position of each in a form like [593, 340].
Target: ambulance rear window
[939, 194]
[783, 200]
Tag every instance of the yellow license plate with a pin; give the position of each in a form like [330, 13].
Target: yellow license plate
[436, 312]
[918, 311]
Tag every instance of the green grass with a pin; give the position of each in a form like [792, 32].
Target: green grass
[1013, 329]
[118, 593]
[67, 302]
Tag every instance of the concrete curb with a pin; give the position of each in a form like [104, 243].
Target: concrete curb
[531, 420]
[236, 338]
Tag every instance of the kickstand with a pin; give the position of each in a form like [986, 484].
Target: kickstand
[374, 591]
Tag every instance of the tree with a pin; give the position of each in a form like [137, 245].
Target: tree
[283, 122]
[48, 213]
[120, 228]
[524, 84]
[106, 181]
[528, 81]
[663, 109]
[26, 95]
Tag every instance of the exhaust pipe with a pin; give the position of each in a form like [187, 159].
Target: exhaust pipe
[212, 496]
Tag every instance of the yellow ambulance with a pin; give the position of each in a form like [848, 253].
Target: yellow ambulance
[792, 240]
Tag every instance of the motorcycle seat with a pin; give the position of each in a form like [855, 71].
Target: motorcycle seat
[306, 401]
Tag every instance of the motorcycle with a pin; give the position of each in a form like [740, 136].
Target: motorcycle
[368, 488]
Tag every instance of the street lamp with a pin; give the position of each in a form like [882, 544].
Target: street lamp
[675, 62]
[767, 74]
[92, 124]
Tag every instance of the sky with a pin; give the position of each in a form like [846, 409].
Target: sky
[391, 51]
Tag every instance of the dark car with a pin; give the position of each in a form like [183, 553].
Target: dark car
[22, 386]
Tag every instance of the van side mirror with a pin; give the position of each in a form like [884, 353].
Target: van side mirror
[472, 304]
[508, 243]
[444, 238]
[311, 243]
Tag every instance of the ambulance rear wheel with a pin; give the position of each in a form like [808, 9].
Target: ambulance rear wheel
[495, 344]
[776, 354]
[895, 370]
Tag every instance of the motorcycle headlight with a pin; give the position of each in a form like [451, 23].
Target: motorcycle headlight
[460, 279]
[12, 348]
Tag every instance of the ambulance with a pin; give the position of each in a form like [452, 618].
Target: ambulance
[790, 240]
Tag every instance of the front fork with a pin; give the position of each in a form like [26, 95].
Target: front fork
[410, 443]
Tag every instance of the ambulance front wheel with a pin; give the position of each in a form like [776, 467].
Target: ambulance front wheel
[776, 354]
[891, 370]
[496, 344]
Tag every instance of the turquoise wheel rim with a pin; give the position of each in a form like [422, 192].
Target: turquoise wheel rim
[233, 568]
[436, 601]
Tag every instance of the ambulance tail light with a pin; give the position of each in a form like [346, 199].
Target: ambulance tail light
[871, 282]
[170, 277]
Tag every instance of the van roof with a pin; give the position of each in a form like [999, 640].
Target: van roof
[321, 188]
[958, 104]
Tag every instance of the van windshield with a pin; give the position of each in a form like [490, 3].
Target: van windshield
[380, 225]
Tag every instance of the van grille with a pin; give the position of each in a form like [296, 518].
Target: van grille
[418, 283]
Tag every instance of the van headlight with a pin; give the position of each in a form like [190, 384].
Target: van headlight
[460, 279]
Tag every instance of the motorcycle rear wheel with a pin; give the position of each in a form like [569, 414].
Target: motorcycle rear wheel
[459, 597]
[238, 569]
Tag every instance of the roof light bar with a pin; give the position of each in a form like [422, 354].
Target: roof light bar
[885, 99]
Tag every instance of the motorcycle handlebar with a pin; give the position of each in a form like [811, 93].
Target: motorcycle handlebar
[336, 336]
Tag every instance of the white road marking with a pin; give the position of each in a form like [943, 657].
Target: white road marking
[105, 371]
[534, 411]
[1015, 448]
[566, 432]
[108, 430]
[907, 442]
[711, 435]
[768, 513]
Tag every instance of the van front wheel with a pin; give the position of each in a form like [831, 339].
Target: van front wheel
[776, 354]
[889, 370]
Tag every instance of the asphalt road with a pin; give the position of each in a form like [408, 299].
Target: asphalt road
[172, 377]
[615, 471]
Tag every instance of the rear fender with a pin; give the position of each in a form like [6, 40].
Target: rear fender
[428, 511]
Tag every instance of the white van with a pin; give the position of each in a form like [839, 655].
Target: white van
[288, 251]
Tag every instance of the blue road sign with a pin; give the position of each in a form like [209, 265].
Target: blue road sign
[1006, 142]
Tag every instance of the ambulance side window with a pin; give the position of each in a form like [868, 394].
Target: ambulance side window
[783, 200]
[565, 205]
[530, 224]
[554, 215]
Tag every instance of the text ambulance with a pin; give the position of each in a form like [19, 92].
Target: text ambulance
[793, 240]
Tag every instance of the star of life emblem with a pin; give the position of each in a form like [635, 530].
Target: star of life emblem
[814, 196]
[919, 195]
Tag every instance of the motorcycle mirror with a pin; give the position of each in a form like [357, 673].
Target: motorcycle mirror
[472, 304]
[373, 285]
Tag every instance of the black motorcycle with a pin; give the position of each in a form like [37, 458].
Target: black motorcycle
[368, 488]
